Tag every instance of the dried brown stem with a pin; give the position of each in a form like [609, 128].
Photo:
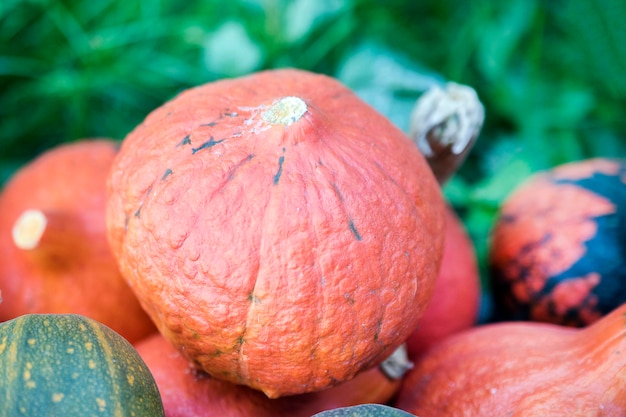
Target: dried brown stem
[445, 124]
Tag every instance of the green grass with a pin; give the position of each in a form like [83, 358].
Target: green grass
[551, 74]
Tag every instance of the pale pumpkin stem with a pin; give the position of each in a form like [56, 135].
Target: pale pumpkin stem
[285, 111]
[397, 364]
[45, 232]
[445, 124]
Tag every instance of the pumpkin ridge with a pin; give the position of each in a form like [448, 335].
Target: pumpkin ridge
[244, 373]
[108, 359]
[12, 353]
[314, 238]
[350, 222]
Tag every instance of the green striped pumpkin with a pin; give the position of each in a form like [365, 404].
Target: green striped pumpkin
[70, 365]
[365, 410]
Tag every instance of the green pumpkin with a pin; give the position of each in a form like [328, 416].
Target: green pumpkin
[365, 410]
[69, 365]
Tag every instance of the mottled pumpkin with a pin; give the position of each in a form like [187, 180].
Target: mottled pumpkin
[558, 248]
[54, 253]
[189, 392]
[519, 369]
[279, 231]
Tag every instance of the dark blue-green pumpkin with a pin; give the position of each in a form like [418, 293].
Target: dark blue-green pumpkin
[69, 365]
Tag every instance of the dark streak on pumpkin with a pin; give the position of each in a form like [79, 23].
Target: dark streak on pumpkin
[280, 169]
[339, 195]
[254, 299]
[379, 326]
[186, 141]
[166, 174]
[210, 124]
[208, 144]
[355, 232]
[234, 169]
[240, 341]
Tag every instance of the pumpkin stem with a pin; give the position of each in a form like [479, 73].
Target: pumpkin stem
[285, 111]
[44, 232]
[445, 124]
[397, 364]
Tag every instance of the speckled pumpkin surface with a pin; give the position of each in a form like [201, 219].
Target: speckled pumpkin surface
[558, 251]
[280, 232]
[68, 365]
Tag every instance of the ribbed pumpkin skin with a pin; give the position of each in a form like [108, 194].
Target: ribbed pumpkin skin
[79, 275]
[66, 365]
[284, 255]
[558, 250]
[520, 369]
[187, 392]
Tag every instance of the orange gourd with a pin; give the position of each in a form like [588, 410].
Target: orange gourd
[188, 392]
[456, 299]
[54, 254]
[279, 231]
[523, 369]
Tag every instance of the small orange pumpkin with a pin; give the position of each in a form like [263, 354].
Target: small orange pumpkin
[280, 232]
[188, 392]
[521, 369]
[54, 254]
[456, 300]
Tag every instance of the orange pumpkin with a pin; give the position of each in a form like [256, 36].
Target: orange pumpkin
[280, 232]
[523, 369]
[188, 392]
[455, 302]
[54, 254]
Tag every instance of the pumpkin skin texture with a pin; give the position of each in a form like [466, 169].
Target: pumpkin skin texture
[523, 369]
[71, 269]
[188, 392]
[66, 365]
[277, 229]
[558, 248]
[455, 303]
[365, 410]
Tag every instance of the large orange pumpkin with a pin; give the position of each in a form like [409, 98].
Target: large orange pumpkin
[54, 254]
[188, 392]
[280, 232]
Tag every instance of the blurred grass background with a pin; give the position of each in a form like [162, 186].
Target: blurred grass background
[551, 74]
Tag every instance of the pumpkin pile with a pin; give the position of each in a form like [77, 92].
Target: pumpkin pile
[271, 245]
